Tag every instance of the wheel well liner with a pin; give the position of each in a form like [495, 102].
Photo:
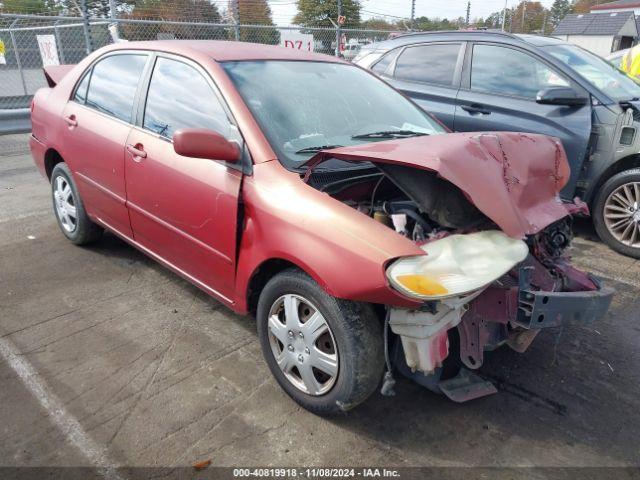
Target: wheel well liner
[51, 159]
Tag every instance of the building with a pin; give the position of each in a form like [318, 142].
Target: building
[618, 6]
[600, 32]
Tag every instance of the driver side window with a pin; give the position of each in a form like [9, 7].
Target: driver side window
[180, 97]
[508, 71]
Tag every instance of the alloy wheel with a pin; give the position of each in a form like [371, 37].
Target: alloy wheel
[303, 344]
[65, 204]
[622, 214]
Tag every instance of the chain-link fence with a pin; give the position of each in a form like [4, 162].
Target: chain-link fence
[21, 74]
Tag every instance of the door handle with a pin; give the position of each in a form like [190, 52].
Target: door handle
[71, 121]
[475, 108]
[136, 151]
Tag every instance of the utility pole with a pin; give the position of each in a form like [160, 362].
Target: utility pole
[413, 14]
[544, 23]
[504, 15]
[468, 12]
[524, 9]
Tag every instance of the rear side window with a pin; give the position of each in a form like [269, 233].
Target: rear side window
[385, 61]
[508, 71]
[180, 97]
[428, 63]
[113, 85]
[81, 91]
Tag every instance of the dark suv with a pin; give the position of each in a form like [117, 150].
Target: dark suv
[478, 81]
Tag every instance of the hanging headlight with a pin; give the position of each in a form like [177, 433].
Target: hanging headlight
[457, 265]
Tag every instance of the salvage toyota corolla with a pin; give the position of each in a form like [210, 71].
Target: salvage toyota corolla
[365, 238]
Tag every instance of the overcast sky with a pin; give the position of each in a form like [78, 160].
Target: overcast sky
[284, 10]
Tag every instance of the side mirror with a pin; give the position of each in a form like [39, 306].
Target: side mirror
[204, 143]
[566, 96]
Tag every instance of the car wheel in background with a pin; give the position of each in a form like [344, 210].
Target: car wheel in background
[326, 353]
[616, 213]
[67, 205]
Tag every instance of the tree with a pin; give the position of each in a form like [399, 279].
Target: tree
[316, 13]
[378, 24]
[558, 11]
[197, 11]
[534, 15]
[29, 6]
[254, 12]
[494, 20]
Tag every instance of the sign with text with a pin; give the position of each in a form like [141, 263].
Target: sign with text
[296, 41]
[3, 60]
[48, 50]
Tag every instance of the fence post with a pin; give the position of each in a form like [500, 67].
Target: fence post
[85, 26]
[114, 16]
[58, 42]
[15, 49]
[338, 33]
[236, 19]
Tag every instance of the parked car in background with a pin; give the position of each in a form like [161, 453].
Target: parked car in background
[305, 190]
[350, 51]
[498, 81]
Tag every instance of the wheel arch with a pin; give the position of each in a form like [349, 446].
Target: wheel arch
[51, 159]
[264, 272]
[625, 163]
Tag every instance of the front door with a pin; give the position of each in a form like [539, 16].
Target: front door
[183, 209]
[98, 121]
[498, 93]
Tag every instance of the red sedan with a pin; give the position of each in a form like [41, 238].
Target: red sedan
[306, 191]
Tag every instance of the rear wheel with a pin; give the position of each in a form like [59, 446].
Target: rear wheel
[69, 209]
[616, 214]
[326, 353]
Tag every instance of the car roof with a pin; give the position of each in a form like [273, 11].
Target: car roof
[223, 51]
[466, 35]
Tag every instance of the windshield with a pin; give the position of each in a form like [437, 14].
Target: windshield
[303, 107]
[597, 71]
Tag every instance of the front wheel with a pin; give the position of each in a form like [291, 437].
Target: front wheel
[616, 213]
[326, 353]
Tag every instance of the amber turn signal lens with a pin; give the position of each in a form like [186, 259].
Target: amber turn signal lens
[422, 285]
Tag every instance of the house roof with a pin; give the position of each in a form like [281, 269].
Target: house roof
[596, 24]
[619, 4]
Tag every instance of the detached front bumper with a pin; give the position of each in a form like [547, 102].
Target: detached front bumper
[538, 310]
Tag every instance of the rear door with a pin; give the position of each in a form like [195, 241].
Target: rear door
[98, 120]
[184, 209]
[498, 92]
[430, 75]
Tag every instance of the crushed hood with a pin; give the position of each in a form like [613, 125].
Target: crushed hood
[513, 178]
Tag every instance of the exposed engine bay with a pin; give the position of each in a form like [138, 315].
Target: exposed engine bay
[441, 344]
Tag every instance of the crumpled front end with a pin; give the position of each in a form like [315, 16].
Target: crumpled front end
[542, 291]
[486, 211]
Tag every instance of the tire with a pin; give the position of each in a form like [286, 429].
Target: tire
[612, 199]
[353, 327]
[79, 230]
